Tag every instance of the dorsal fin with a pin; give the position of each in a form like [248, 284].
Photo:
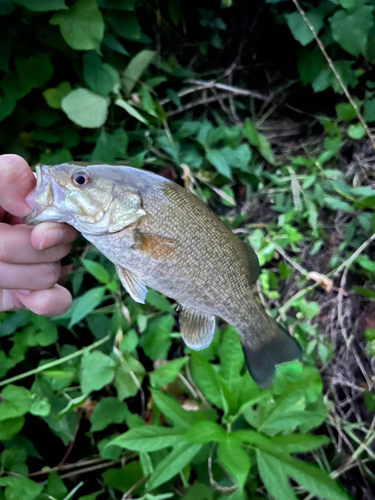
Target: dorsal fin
[252, 262]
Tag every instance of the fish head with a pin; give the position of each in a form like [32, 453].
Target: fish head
[84, 197]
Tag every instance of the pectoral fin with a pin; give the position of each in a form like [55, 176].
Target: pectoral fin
[156, 245]
[132, 284]
[197, 329]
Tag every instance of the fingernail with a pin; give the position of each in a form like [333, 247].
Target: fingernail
[55, 236]
[30, 198]
[23, 292]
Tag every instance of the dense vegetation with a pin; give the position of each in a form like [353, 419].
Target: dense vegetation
[269, 125]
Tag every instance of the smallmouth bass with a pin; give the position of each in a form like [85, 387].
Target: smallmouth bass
[161, 236]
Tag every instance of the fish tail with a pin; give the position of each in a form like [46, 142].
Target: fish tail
[262, 357]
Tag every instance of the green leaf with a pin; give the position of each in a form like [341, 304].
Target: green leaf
[219, 161]
[356, 131]
[16, 401]
[91, 496]
[299, 443]
[129, 376]
[173, 411]
[204, 432]
[56, 157]
[97, 370]
[54, 96]
[274, 467]
[336, 204]
[350, 28]
[101, 78]
[299, 28]
[82, 26]
[274, 477]
[42, 5]
[85, 108]
[86, 303]
[207, 380]
[234, 459]
[125, 25]
[35, 71]
[73, 403]
[232, 358]
[56, 487]
[173, 463]
[159, 301]
[110, 146]
[365, 262]
[345, 111]
[148, 438]
[96, 270]
[136, 68]
[20, 487]
[369, 334]
[369, 111]
[9, 428]
[259, 141]
[108, 411]
[167, 372]
[156, 340]
[129, 108]
[125, 478]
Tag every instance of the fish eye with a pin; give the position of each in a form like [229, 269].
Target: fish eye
[81, 178]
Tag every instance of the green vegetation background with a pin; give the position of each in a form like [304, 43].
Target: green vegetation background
[240, 104]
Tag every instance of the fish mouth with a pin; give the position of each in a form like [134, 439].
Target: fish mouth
[43, 197]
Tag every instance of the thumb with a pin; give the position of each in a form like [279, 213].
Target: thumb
[16, 182]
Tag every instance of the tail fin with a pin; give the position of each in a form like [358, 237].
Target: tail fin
[262, 360]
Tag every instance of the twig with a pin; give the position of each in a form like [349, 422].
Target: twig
[130, 490]
[67, 466]
[89, 469]
[215, 485]
[71, 444]
[229, 88]
[335, 72]
[198, 102]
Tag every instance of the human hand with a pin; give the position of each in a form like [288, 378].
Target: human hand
[29, 257]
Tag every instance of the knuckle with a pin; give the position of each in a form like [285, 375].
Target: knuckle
[50, 274]
[7, 248]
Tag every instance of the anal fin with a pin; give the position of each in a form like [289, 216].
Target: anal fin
[132, 284]
[197, 329]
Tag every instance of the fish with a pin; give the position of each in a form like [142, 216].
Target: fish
[161, 236]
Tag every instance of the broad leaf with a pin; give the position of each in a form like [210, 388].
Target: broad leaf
[82, 26]
[350, 28]
[136, 68]
[97, 370]
[172, 464]
[85, 108]
[234, 459]
[108, 411]
[149, 438]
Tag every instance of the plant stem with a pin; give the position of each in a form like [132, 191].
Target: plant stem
[52, 364]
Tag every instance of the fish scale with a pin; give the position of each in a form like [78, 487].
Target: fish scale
[161, 236]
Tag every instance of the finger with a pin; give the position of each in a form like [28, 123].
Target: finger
[16, 247]
[29, 276]
[16, 181]
[49, 234]
[50, 302]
